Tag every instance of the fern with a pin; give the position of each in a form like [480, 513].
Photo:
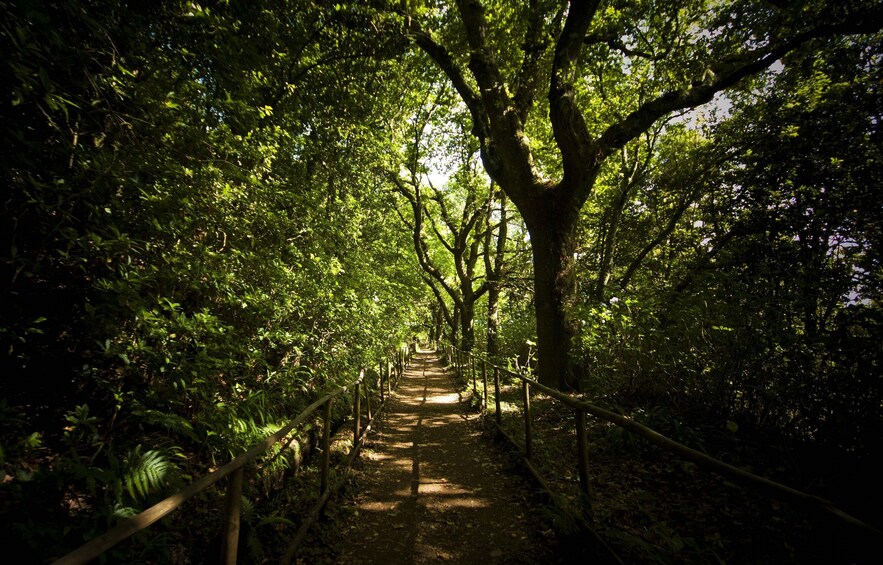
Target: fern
[246, 509]
[255, 547]
[171, 422]
[120, 511]
[147, 472]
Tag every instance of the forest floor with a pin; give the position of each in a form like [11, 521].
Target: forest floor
[431, 487]
[430, 490]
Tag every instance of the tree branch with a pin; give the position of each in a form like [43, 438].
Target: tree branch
[568, 125]
[506, 152]
[527, 80]
[438, 234]
[613, 42]
[420, 247]
[726, 74]
[441, 57]
[446, 312]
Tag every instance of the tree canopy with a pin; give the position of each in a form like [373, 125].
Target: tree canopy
[215, 212]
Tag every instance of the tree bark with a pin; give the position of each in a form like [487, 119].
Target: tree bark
[467, 324]
[553, 242]
[494, 272]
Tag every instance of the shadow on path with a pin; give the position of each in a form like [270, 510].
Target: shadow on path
[431, 490]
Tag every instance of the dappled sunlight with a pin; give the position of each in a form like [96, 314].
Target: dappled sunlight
[377, 506]
[450, 398]
[427, 484]
[509, 407]
[430, 487]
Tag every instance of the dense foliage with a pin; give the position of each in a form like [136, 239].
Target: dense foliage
[757, 292]
[216, 212]
[191, 249]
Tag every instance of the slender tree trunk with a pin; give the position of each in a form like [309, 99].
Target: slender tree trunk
[493, 321]
[494, 271]
[611, 229]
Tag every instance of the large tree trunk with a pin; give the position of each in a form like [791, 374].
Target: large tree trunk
[467, 324]
[553, 242]
[455, 325]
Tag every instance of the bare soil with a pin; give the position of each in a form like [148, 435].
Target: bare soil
[430, 490]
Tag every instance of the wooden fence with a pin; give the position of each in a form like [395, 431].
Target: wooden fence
[466, 363]
[390, 371]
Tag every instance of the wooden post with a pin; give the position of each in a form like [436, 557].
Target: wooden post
[527, 431]
[497, 396]
[472, 367]
[583, 458]
[484, 385]
[388, 376]
[326, 445]
[357, 414]
[367, 399]
[232, 517]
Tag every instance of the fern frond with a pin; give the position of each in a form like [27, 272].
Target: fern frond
[247, 509]
[147, 472]
[121, 511]
[171, 422]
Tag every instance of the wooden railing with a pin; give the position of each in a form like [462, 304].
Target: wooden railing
[466, 362]
[390, 371]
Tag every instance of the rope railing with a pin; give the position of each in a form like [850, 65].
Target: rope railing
[466, 360]
[390, 371]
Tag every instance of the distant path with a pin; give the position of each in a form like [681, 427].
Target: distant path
[432, 491]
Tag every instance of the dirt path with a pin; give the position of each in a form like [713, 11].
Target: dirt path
[432, 490]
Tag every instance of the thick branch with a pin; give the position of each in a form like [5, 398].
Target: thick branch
[414, 199]
[568, 125]
[446, 312]
[506, 156]
[441, 57]
[439, 198]
[438, 233]
[527, 81]
[726, 74]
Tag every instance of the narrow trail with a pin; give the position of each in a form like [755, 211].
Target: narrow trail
[432, 490]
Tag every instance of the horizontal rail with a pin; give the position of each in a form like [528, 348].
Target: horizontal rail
[609, 556]
[689, 453]
[97, 546]
[314, 512]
